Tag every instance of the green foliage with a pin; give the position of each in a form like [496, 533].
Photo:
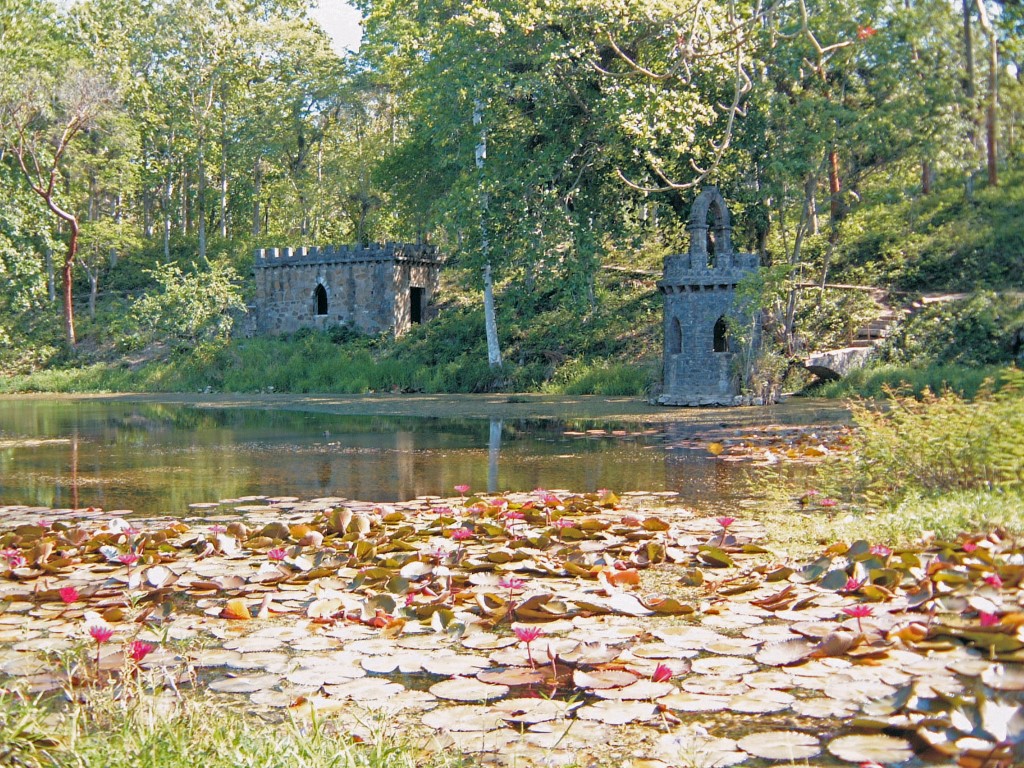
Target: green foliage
[601, 378]
[108, 731]
[831, 318]
[937, 242]
[874, 381]
[26, 739]
[905, 448]
[191, 307]
[983, 329]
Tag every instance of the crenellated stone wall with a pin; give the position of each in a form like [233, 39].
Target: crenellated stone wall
[700, 291]
[375, 288]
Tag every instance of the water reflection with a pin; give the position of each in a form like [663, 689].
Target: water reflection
[158, 458]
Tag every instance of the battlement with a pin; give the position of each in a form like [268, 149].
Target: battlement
[693, 270]
[348, 254]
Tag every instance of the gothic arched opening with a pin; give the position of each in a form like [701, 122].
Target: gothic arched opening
[320, 294]
[674, 342]
[721, 336]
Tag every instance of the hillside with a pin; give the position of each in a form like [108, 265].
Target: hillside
[549, 342]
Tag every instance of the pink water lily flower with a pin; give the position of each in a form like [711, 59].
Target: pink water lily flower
[511, 583]
[462, 489]
[128, 558]
[988, 619]
[858, 612]
[277, 554]
[852, 585]
[528, 635]
[662, 673]
[68, 594]
[461, 534]
[993, 580]
[100, 633]
[725, 522]
[137, 650]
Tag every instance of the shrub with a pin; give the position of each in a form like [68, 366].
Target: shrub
[190, 307]
[905, 447]
[983, 329]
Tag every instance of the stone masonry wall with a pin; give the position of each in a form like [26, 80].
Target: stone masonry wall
[366, 287]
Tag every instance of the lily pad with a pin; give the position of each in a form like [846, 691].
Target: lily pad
[871, 748]
[467, 689]
[617, 712]
[780, 745]
[470, 717]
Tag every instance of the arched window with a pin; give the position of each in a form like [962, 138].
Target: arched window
[711, 223]
[674, 342]
[321, 300]
[721, 335]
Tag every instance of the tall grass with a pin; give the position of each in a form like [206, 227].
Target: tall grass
[942, 444]
[115, 728]
[877, 381]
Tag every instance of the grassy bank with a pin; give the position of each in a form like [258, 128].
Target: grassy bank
[131, 727]
[556, 338]
[875, 381]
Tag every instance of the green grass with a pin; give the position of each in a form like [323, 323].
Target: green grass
[610, 349]
[122, 727]
[875, 381]
[799, 532]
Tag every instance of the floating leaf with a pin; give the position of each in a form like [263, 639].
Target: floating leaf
[236, 608]
[780, 745]
[714, 557]
[667, 605]
[684, 701]
[530, 711]
[871, 747]
[455, 664]
[641, 689]
[472, 718]
[603, 678]
[467, 689]
[761, 702]
[692, 747]
[785, 653]
[617, 712]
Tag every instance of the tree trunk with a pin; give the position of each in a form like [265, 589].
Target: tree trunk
[926, 177]
[201, 208]
[812, 183]
[257, 188]
[68, 276]
[223, 174]
[969, 95]
[168, 194]
[94, 288]
[490, 323]
[992, 100]
[147, 213]
[834, 189]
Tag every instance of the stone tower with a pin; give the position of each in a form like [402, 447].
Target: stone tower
[700, 292]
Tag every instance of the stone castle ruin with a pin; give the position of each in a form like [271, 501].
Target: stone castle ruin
[700, 291]
[374, 288]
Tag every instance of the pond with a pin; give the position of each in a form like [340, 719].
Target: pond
[157, 458]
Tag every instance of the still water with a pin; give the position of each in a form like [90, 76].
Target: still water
[159, 458]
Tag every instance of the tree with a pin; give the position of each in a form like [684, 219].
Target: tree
[43, 122]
